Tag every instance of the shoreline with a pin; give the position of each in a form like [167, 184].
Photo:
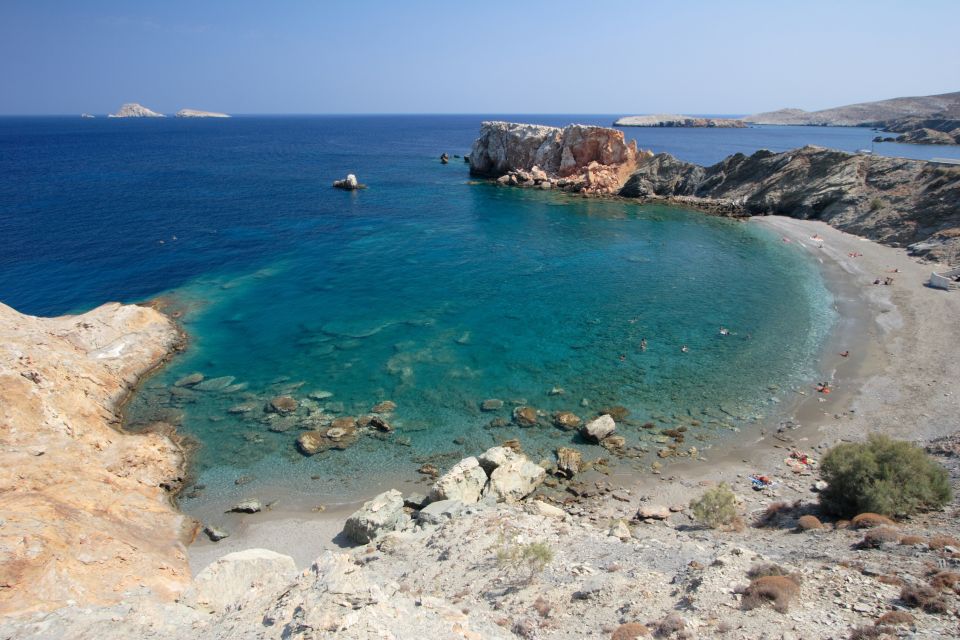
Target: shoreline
[869, 316]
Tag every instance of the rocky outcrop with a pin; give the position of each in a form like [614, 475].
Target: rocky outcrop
[85, 508]
[577, 157]
[382, 514]
[673, 120]
[241, 579]
[196, 113]
[464, 482]
[892, 200]
[134, 110]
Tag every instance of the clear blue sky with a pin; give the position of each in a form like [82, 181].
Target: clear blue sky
[587, 56]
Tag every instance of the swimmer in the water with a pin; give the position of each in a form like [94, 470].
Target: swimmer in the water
[684, 349]
[643, 344]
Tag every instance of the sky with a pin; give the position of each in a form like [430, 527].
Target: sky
[366, 56]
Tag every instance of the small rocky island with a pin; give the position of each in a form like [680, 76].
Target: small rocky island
[196, 113]
[672, 120]
[134, 110]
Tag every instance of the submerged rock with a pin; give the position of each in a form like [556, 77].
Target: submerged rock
[464, 481]
[597, 430]
[189, 380]
[382, 514]
[319, 395]
[491, 405]
[567, 420]
[378, 423]
[215, 384]
[339, 435]
[387, 406]
[282, 404]
[525, 416]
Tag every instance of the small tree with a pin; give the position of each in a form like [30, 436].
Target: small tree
[889, 477]
[716, 507]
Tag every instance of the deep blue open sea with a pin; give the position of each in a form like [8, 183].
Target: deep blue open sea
[427, 289]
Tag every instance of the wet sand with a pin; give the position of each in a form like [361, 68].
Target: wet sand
[898, 379]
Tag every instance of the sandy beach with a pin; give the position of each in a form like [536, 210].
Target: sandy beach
[896, 379]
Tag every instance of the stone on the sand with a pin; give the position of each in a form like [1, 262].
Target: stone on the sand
[566, 420]
[491, 404]
[614, 444]
[387, 406]
[282, 404]
[381, 514]
[569, 462]
[597, 430]
[525, 416]
[653, 512]
[242, 577]
[515, 479]
[464, 482]
[215, 534]
[247, 506]
[189, 381]
[621, 530]
[437, 512]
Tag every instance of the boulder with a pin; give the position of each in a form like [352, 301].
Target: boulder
[238, 579]
[247, 506]
[525, 416]
[349, 183]
[339, 435]
[282, 404]
[567, 420]
[438, 512]
[569, 462]
[189, 381]
[597, 430]
[653, 512]
[545, 509]
[378, 423]
[381, 514]
[515, 479]
[387, 406]
[464, 482]
[214, 533]
[496, 456]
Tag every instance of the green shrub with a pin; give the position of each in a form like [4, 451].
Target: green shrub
[884, 476]
[522, 560]
[876, 204]
[716, 507]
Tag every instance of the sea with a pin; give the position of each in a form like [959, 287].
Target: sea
[428, 288]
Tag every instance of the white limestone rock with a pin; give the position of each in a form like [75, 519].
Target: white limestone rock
[134, 110]
[597, 430]
[380, 515]
[238, 579]
[464, 482]
[196, 113]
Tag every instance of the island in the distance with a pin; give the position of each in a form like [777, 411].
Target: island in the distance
[196, 113]
[672, 120]
[134, 110]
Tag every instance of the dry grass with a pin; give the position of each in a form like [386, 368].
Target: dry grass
[912, 540]
[896, 581]
[871, 632]
[923, 597]
[873, 538]
[809, 523]
[939, 542]
[773, 514]
[895, 618]
[630, 631]
[767, 569]
[870, 520]
[777, 590]
[669, 625]
[945, 580]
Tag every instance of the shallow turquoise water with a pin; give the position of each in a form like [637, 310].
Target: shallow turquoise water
[484, 292]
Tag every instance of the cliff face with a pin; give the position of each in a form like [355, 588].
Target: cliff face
[588, 158]
[892, 200]
[84, 515]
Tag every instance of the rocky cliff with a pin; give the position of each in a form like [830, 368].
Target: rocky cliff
[85, 514]
[663, 120]
[892, 200]
[134, 110]
[577, 157]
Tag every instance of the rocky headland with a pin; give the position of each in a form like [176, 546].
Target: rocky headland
[924, 119]
[579, 158]
[196, 113]
[85, 509]
[673, 120]
[134, 110]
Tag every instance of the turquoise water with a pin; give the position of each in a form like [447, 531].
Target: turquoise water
[426, 289]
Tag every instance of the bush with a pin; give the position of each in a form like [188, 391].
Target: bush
[716, 507]
[939, 542]
[923, 597]
[909, 541]
[809, 523]
[895, 618]
[871, 520]
[876, 204]
[777, 590]
[873, 538]
[526, 560]
[883, 476]
[767, 569]
[630, 631]
[944, 580]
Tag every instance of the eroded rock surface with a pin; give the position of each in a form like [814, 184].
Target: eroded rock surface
[86, 516]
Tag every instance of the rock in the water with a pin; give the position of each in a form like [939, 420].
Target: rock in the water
[525, 416]
[569, 462]
[614, 443]
[567, 420]
[189, 381]
[197, 113]
[339, 435]
[387, 406]
[349, 183]
[243, 407]
[464, 482]
[380, 515]
[215, 384]
[247, 506]
[618, 412]
[282, 404]
[597, 430]
[215, 534]
[134, 110]
[491, 405]
[240, 578]
[320, 395]
[378, 423]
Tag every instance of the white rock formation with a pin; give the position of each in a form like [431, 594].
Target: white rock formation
[237, 579]
[464, 482]
[381, 514]
[196, 113]
[514, 480]
[597, 430]
[134, 110]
